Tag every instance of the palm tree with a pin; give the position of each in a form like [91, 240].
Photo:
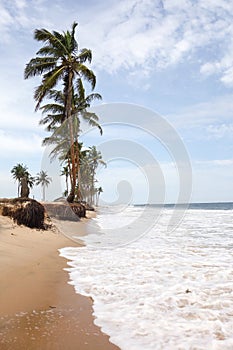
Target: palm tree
[80, 103]
[60, 137]
[20, 172]
[89, 164]
[65, 172]
[44, 180]
[60, 61]
[95, 159]
[99, 190]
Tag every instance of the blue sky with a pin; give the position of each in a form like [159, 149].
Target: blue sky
[172, 57]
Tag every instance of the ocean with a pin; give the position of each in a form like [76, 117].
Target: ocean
[155, 286]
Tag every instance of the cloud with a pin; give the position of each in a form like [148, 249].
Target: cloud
[214, 163]
[214, 116]
[220, 131]
[137, 35]
[223, 67]
[14, 145]
[156, 34]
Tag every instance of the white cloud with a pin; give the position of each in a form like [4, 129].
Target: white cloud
[157, 34]
[128, 34]
[214, 163]
[15, 145]
[214, 115]
[223, 67]
[220, 131]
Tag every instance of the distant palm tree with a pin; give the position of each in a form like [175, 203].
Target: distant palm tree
[65, 172]
[98, 192]
[44, 180]
[95, 159]
[20, 171]
[60, 61]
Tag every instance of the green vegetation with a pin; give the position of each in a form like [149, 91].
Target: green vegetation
[25, 180]
[60, 63]
[44, 180]
[89, 164]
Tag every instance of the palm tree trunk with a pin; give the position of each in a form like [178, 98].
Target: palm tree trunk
[67, 187]
[69, 92]
[79, 194]
[43, 190]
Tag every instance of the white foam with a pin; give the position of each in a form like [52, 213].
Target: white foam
[165, 290]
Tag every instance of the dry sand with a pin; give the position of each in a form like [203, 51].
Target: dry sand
[39, 310]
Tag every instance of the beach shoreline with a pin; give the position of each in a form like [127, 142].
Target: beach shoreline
[39, 309]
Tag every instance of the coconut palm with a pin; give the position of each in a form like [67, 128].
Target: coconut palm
[65, 172]
[44, 180]
[55, 111]
[89, 164]
[60, 61]
[60, 137]
[99, 190]
[95, 159]
[20, 173]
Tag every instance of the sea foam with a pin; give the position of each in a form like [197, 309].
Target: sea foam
[165, 290]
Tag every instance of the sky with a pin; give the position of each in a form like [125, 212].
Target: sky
[173, 58]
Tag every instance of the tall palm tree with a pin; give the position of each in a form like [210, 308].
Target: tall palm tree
[60, 61]
[44, 180]
[56, 111]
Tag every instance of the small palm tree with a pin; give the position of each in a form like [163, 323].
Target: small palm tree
[65, 172]
[44, 180]
[98, 192]
[19, 172]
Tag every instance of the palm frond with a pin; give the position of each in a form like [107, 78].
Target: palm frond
[93, 97]
[85, 55]
[49, 81]
[38, 66]
[52, 107]
[55, 39]
[85, 73]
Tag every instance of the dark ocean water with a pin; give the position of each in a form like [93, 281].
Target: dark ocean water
[200, 206]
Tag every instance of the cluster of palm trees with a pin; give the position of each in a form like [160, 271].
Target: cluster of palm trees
[63, 70]
[90, 160]
[20, 172]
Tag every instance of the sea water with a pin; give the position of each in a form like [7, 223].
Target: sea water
[164, 289]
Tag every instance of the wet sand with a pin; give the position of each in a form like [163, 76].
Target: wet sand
[38, 308]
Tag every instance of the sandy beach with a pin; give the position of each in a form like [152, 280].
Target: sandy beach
[38, 308]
